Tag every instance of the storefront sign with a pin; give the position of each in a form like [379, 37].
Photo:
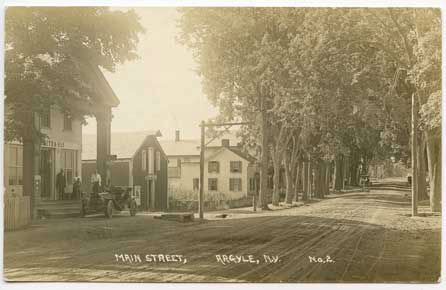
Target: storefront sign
[53, 144]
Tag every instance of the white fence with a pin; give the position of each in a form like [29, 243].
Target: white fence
[17, 212]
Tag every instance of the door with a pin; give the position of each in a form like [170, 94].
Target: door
[46, 170]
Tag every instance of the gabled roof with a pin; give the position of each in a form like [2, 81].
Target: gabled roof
[181, 148]
[242, 154]
[102, 88]
[191, 147]
[123, 144]
[234, 150]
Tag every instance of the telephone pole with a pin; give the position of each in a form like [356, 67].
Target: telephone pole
[414, 150]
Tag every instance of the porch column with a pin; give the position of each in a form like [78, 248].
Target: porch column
[103, 123]
[31, 162]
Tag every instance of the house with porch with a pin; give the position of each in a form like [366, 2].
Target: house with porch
[140, 165]
[61, 150]
[229, 172]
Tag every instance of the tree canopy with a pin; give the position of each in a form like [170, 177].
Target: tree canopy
[45, 48]
[331, 81]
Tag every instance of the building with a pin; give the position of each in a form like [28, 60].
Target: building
[140, 164]
[61, 150]
[228, 171]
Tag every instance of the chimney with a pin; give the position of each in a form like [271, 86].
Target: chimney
[225, 142]
[177, 135]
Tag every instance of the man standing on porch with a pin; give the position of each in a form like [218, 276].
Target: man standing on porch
[96, 181]
[60, 184]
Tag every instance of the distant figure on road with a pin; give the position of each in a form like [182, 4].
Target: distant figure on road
[60, 184]
[96, 182]
[409, 179]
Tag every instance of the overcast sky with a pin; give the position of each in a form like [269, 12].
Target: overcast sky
[160, 90]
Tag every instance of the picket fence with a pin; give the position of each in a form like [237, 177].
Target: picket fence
[17, 212]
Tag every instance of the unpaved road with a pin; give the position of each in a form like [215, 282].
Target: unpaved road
[368, 236]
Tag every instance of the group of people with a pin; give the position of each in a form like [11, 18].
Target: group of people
[61, 183]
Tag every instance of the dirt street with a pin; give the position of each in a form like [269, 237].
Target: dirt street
[367, 237]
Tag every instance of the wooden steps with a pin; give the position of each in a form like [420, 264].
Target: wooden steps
[59, 208]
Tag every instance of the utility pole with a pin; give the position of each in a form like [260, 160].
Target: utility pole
[200, 199]
[414, 150]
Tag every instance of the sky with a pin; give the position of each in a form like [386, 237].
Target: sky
[160, 90]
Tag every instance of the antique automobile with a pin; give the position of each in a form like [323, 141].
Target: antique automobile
[113, 199]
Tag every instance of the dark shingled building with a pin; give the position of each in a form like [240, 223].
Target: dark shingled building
[140, 164]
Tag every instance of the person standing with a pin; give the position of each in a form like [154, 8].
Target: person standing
[96, 181]
[76, 187]
[60, 184]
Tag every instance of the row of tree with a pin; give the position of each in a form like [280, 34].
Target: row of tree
[327, 90]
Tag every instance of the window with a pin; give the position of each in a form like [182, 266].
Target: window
[235, 184]
[158, 161]
[196, 183]
[15, 165]
[69, 164]
[151, 161]
[252, 184]
[67, 122]
[143, 160]
[213, 166]
[235, 166]
[173, 169]
[45, 119]
[213, 184]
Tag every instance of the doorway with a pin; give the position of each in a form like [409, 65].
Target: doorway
[150, 194]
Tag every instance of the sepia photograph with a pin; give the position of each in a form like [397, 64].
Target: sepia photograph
[222, 144]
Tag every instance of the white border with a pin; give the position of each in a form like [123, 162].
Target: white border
[171, 3]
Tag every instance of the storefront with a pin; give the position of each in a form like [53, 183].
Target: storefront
[60, 151]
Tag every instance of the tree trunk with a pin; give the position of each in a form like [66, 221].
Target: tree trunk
[31, 160]
[298, 181]
[290, 173]
[323, 179]
[327, 177]
[422, 187]
[354, 164]
[310, 178]
[346, 172]
[305, 179]
[276, 180]
[339, 172]
[264, 162]
[317, 177]
[434, 164]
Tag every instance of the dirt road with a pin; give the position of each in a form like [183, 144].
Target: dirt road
[367, 236]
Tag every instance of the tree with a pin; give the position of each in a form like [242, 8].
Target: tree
[330, 85]
[44, 51]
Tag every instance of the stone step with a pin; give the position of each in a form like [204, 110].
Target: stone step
[179, 216]
[59, 213]
[58, 202]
